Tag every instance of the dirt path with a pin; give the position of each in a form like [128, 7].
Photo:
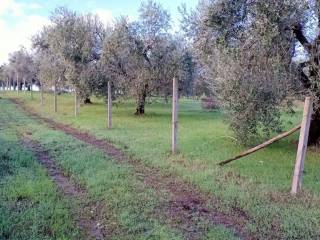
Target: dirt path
[186, 205]
[89, 214]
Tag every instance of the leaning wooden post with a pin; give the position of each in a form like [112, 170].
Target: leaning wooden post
[302, 147]
[174, 115]
[109, 105]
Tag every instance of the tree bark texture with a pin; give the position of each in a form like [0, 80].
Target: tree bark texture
[141, 102]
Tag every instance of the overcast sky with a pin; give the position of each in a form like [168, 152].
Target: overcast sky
[20, 19]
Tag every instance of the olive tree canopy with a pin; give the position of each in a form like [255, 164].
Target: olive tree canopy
[246, 49]
[144, 56]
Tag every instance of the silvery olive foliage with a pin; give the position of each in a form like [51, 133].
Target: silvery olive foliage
[8, 76]
[245, 51]
[143, 57]
[139, 57]
[21, 69]
[71, 45]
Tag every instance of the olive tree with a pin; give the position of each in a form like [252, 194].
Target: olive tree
[143, 57]
[51, 67]
[246, 49]
[77, 41]
[22, 64]
[8, 76]
[51, 75]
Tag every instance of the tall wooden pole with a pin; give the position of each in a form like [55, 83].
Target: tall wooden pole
[302, 147]
[41, 94]
[109, 105]
[31, 91]
[75, 103]
[174, 115]
[24, 86]
[18, 82]
[8, 84]
[55, 105]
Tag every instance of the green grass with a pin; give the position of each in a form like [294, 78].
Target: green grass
[128, 205]
[258, 185]
[30, 205]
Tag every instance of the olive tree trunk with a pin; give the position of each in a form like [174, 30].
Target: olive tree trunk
[141, 101]
[314, 135]
[141, 104]
[31, 91]
[87, 100]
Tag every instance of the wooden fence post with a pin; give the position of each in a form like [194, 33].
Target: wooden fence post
[18, 83]
[41, 95]
[31, 91]
[174, 115]
[302, 147]
[8, 84]
[55, 105]
[109, 106]
[75, 103]
[24, 86]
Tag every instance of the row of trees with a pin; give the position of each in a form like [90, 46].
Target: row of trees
[20, 71]
[238, 51]
[78, 52]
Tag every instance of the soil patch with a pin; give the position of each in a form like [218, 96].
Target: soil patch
[88, 216]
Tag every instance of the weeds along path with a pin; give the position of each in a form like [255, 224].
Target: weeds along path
[88, 215]
[187, 208]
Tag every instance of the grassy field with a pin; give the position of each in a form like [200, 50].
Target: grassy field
[258, 185]
[127, 203]
[30, 205]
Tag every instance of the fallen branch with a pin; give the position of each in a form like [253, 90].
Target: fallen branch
[261, 146]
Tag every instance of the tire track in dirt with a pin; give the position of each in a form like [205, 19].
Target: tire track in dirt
[88, 215]
[187, 209]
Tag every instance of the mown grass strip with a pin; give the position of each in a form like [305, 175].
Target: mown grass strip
[87, 211]
[258, 186]
[187, 208]
[138, 202]
[30, 205]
